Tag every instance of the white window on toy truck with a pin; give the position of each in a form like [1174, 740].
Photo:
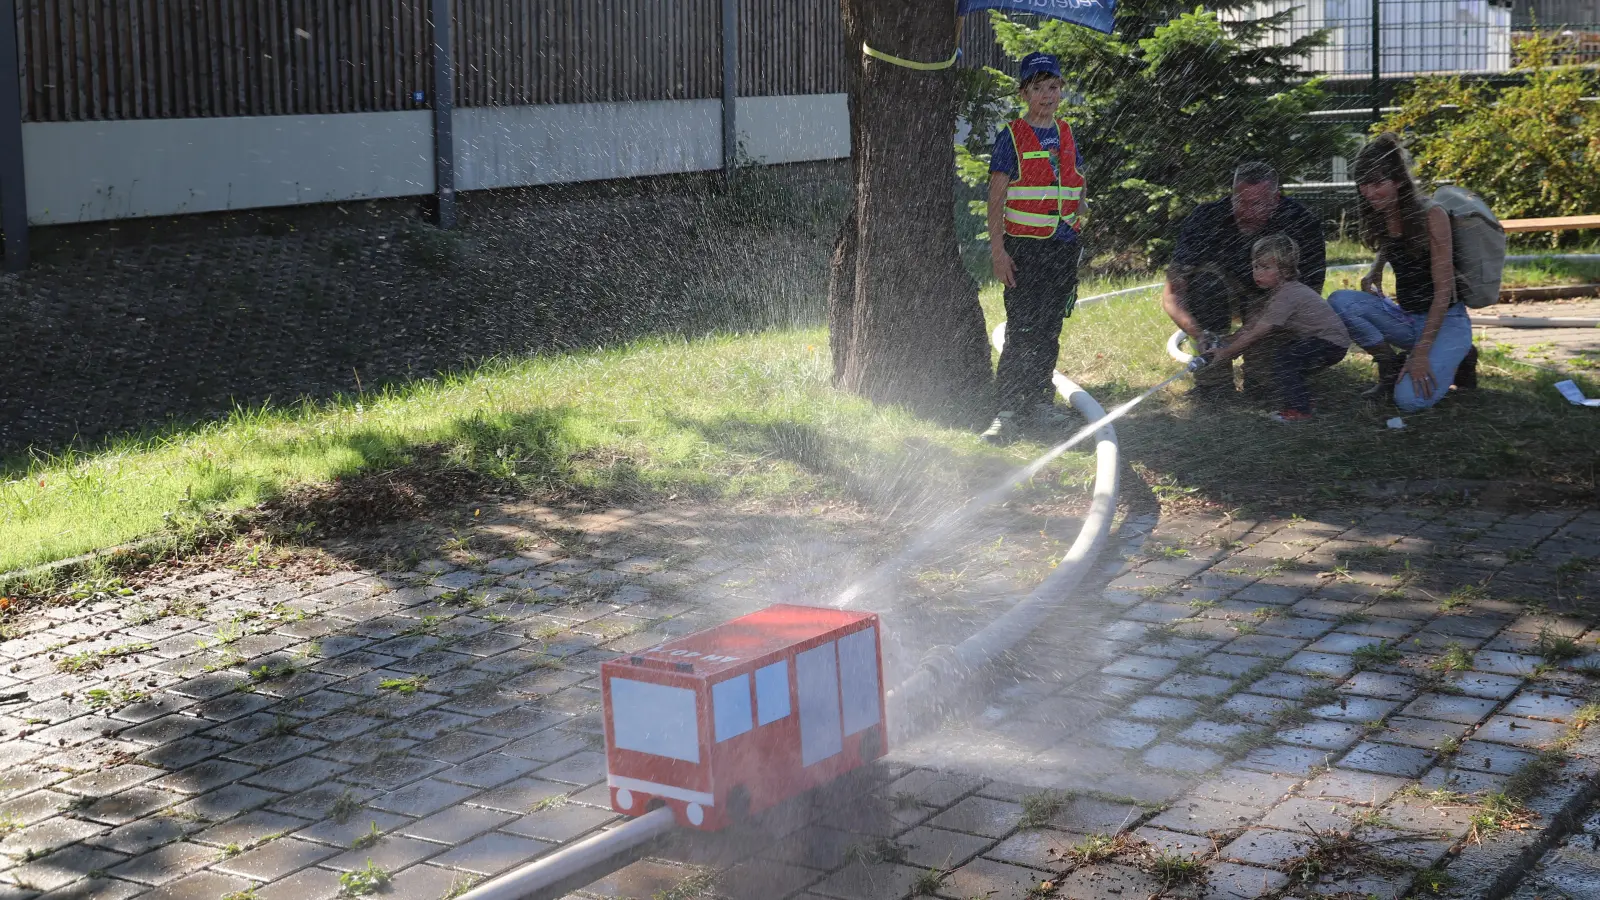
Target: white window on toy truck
[655, 718]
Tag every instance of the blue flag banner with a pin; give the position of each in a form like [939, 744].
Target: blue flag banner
[1096, 14]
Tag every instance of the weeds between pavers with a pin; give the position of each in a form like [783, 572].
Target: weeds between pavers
[1038, 809]
[362, 882]
[1330, 851]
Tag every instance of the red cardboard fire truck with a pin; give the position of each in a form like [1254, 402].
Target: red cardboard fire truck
[732, 720]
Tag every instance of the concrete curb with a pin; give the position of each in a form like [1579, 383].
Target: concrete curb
[1493, 869]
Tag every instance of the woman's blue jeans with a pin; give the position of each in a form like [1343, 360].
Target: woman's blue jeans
[1373, 321]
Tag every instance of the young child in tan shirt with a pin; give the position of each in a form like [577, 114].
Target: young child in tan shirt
[1315, 338]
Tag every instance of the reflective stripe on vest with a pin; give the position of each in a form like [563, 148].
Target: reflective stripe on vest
[1039, 201]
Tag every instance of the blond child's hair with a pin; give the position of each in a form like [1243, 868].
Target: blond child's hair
[1281, 251]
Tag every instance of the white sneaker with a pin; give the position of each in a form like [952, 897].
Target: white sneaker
[1048, 415]
[1003, 430]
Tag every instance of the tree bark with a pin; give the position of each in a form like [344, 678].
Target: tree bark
[906, 327]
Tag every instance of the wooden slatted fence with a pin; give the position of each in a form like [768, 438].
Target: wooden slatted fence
[87, 60]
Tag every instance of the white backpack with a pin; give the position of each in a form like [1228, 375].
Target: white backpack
[1480, 246]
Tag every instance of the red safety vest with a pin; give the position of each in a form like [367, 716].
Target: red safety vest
[1037, 202]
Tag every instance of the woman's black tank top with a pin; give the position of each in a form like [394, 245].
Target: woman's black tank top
[1413, 271]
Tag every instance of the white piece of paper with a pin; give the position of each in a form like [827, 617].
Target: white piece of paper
[1396, 422]
[1570, 390]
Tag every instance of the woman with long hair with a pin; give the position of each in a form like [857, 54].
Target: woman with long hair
[1421, 339]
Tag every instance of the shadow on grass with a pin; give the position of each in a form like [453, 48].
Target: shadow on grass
[1515, 427]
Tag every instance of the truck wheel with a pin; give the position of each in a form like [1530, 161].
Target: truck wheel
[739, 806]
[871, 744]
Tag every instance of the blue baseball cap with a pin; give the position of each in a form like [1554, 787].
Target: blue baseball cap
[1038, 64]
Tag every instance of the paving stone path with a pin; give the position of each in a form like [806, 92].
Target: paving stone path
[1245, 708]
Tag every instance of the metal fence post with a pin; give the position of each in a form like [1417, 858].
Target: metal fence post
[13, 172]
[730, 84]
[444, 95]
[1377, 64]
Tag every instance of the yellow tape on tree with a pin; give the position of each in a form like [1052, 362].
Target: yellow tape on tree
[908, 63]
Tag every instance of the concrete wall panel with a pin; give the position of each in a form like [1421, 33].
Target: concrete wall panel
[88, 171]
[510, 146]
[795, 129]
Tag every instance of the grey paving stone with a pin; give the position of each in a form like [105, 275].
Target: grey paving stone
[1331, 665]
[1174, 843]
[581, 768]
[1108, 880]
[1359, 788]
[520, 796]
[1382, 685]
[1267, 847]
[1322, 735]
[1528, 733]
[298, 774]
[142, 835]
[166, 863]
[1038, 848]
[63, 867]
[273, 750]
[489, 770]
[1462, 781]
[309, 884]
[981, 816]
[97, 887]
[165, 730]
[1388, 759]
[1307, 816]
[1256, 708]
[1283, 758]
[422, 798]
[1228, 665]
[1161, 709]
[456, 824]
[978, 878]
[126, 806]
[1242, 787]
[1356, 709]
[933, 787]
[865, 882]
[275, 859]
[560, 823]
[1429, 734]
[1201, 816]
[1297, 627]
[492, 853]
[203, 776]
[108, 781]
[392, 852]
[1488, 686]
[1381, 627]
[1537, 704]
[1180, 758]
[226, 802]
[1450, 708]
[1122, 734]
[459, 746]
[1208, 732]
[1286, 685]
[249, 828]
[1481, 756]
[1263, 645]
[359, 824]
[1143, 667]
[199, 886]
[1342, 642]
[1195, 686]
[390, 774]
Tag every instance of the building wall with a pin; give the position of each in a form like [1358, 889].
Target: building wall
[92, 171]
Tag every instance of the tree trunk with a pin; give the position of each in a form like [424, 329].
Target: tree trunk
[906, 325]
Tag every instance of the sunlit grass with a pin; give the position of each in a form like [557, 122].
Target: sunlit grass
[746, 418]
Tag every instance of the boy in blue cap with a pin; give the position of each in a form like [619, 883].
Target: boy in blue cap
[1035, 212]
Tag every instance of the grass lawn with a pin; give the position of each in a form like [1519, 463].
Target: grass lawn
[743, 419]
[1516, 426]
[753, 419]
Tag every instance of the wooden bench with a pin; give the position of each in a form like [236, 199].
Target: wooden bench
[1555, 223]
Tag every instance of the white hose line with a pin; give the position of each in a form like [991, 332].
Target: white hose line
[572, 867]
[943, 664]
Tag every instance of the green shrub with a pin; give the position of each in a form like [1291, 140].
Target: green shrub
[1531, 149]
